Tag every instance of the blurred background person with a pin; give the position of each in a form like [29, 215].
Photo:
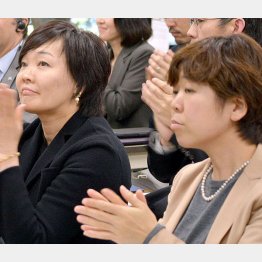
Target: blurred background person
[13, 32]
[129, 54]
[45, 171]
[205, 27]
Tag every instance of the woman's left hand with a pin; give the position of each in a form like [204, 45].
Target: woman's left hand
[107, 216]
[11, 120]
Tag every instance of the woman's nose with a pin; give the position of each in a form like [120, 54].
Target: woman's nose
[177, 103]
[27, 73]
[99, 20]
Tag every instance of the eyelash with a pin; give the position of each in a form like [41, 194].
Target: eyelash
[187, 91]
[23, 64]
[43, 63]
[200, 21]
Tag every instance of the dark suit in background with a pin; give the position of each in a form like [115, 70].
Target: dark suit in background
[38, 197]
[122, 98]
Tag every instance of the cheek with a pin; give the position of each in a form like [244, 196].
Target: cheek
[18, 81]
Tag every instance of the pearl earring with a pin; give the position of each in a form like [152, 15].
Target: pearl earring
[77, 98]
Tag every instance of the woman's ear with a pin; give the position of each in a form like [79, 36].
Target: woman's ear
[239, 109]
[239, 25]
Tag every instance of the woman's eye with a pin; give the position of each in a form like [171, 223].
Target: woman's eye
[43, 63]
[22, 64]
[200, 21]
[187, 90]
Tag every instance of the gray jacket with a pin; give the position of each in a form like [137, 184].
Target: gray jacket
[122, 99]
[9, 78]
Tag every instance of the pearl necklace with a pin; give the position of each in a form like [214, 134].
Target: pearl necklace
[208, 171]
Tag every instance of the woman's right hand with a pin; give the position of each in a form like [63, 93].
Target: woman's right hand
[11, 120]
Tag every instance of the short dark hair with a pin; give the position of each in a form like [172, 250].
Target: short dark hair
[253, 28]
[87, 60]
[231, 66]
[133, 30]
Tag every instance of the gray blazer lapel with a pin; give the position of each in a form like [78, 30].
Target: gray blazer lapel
[121, 65]
[10, 76]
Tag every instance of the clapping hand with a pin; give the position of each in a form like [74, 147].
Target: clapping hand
[106, 216]
[11, 121]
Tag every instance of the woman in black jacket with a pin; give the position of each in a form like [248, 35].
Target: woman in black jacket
[45, 171]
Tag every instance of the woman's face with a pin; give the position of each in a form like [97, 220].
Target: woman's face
[199, 119]
[44, 83]
[107, 29]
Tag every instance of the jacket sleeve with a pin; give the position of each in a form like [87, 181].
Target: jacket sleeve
[165, 237]
[123, 99]
[165, 167]
[52, 219]
[253, 230]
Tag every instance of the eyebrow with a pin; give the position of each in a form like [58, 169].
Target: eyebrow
[44, 53]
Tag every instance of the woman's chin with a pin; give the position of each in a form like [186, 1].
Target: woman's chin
[185, 142]
[29, 109]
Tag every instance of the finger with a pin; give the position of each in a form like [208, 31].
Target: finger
[87, 212]
[170, 53]
[92, 222]
[152, 95]
[112, 196]
[148, 74]
[96, 195]
[149, 97]
[163, 85]
[4, 86]
[155, 61]
[130, 197]
[101, 205]
[140, 195]
[158, 59]
[168, 60]
[146, 94]
[19, 113]
[153, 72]
[8, 102]
[99, 234]
[159, 52]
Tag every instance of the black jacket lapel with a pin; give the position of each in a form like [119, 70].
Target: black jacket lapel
[54, 148]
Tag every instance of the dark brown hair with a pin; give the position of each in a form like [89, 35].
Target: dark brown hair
[232, 66]
[86, 57]
[133, 30]
[253, 27]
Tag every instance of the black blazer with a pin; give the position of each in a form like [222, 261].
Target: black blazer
[38, 197]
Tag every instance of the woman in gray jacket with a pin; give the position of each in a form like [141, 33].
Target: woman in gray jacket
[129, 54]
